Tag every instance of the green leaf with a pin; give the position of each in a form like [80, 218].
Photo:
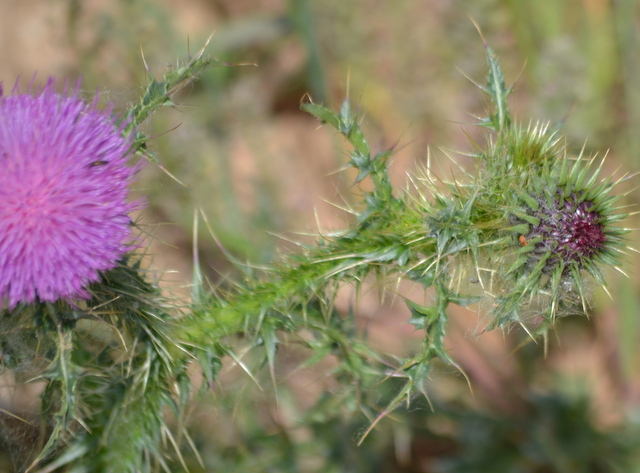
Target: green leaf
[520, 229]
[463, 300]
[323, 114]
[530, 201]
[526, 217]
[345, 112]
[520, 260]
[422, 316]
[390, 253]
[498, 92]
[356, 138]
[425, 278]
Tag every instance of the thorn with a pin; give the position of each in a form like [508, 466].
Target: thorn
[348, 82]
[466, 76]
[621, 271]
[206, 44]
[196, 259]
[475, 23]
[146, 66]
[163, 169]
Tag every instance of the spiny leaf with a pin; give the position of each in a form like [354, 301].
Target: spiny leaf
[500, 120]
[463, 300]
[323, 114]
[422, 316]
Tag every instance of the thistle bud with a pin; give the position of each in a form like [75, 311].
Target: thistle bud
[563, 231]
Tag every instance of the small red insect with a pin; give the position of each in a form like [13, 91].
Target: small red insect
[523, 240]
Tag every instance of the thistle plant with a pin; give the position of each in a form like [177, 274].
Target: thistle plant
[79, 313]
[518, 236]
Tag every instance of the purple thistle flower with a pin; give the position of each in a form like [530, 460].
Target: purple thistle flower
[63, 195]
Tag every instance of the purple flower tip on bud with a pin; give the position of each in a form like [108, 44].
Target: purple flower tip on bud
[569, 229]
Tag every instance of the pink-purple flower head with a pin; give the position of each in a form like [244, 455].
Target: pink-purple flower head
[64, 188]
